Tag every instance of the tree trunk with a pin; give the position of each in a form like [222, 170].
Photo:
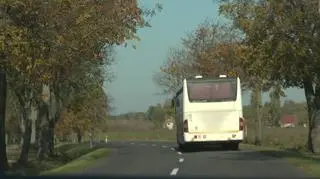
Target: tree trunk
[79, 137]
[54, 116]
[37, 131]
[43, 117]
[26, 128]
[90, 140]
[256, 103]
[41, 146]
[51, 138]
[3, 95]
[313, 104]
[26, 137]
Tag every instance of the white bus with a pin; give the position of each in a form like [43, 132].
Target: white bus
[209, 111]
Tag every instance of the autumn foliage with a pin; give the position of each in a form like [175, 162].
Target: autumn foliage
[56, 55]
[270, 45]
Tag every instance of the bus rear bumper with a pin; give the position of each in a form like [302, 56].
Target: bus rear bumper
[213, 137]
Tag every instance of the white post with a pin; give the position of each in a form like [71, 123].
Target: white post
[106, 140]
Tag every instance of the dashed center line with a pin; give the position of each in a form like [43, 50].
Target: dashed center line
[181, 160]
[179, 153]
[174, 171]
[164, 146]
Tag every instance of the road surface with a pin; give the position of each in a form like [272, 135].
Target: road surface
[163, 159]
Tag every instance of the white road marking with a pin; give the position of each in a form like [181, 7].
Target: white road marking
[164, 146]
[181, 160]
[179, 153]
[142, 144]
[172, 149]
[131, 143]
[174, 171]
[153, 145]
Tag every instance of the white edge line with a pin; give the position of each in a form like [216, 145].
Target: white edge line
[181, 160]
[174, 171]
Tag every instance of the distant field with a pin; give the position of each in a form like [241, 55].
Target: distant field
[159, 134]
[294, 138]
[137, 130]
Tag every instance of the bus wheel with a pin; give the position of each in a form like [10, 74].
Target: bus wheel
[230, 146]
[183, 147]
[234, 146]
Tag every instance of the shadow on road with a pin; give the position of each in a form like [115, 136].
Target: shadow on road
[291, 153]
[192, 149]
[264, 155]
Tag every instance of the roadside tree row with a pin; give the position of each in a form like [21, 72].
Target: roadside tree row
[271, 45]
[55, 56]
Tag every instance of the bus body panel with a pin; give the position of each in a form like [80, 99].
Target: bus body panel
[208, 121]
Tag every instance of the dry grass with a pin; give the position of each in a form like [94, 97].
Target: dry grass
[130, 125]
[137, 130]
[285, 138]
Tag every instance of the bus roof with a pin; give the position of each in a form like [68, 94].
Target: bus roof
[210, 78]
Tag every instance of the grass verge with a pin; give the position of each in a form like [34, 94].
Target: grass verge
[80, 163]
[65, 153]
[309, 163]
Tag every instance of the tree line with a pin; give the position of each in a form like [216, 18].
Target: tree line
[55, 57]
[157, 114]
[270, 45]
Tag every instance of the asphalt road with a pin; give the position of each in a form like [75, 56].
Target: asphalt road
[163, 159]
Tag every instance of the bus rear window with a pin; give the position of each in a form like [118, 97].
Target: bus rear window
[212, 91]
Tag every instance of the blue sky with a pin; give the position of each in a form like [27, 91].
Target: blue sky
[133, 89]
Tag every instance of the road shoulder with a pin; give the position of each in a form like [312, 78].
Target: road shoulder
[80, 163]
[309, 163]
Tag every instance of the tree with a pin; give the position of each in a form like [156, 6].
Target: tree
[45, 44]
[210, 50]
[3, 88]
[157, 114]
[283, 39]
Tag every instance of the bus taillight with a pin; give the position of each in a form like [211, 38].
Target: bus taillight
[185, 126]
[241, 124]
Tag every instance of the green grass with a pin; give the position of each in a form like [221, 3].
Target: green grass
[65, 153]
[309, 163]
[80, 163]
